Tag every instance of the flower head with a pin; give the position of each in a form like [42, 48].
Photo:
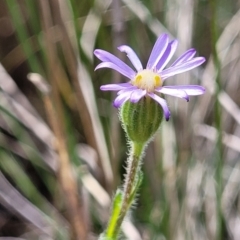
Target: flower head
[149, 81]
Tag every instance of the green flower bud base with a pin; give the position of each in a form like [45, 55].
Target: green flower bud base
[141, 120]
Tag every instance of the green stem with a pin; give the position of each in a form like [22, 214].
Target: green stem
[116, 209]
[132, 182]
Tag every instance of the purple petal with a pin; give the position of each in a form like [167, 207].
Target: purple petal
[191, 90]
[157, 51]
[132, 56]
[127, 72]
[105, 56]
[120, 99]
[184, 67]
[188, 55]
[174, 92]
[115, 87]
[130, 89]
[171, 48]
[163, 103]
[137, 95]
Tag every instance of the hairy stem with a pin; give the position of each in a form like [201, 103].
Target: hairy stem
[131, 184]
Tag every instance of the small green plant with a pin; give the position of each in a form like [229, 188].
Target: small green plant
[141, 110]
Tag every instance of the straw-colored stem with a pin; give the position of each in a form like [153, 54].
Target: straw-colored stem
[55, 113]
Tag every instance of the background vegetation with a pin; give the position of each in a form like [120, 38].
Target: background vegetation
[62, 149]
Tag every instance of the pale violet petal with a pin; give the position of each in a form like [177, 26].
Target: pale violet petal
[132, 56]
[184, 67]
[191, 90]
[127, 90]
[157, 51]
[115, 87]
[127, 72]
[188, 55]
[171, 48]
[173, 92]
[163, 104]
[120, 99]
[137, 95]
[105, 56]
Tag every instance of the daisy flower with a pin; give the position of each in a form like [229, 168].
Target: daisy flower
[148, 82]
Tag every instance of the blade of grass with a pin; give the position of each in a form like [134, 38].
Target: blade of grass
[218, 115]
[22, 34]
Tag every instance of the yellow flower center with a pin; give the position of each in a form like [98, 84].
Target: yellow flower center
[147, 80]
